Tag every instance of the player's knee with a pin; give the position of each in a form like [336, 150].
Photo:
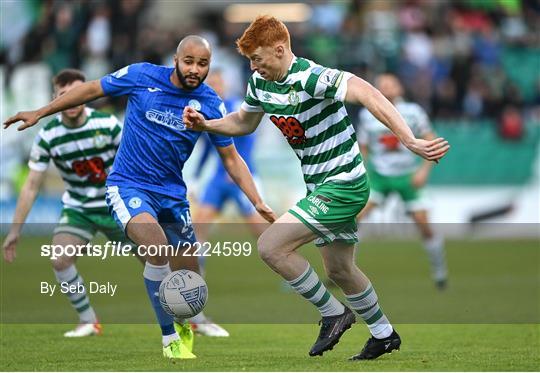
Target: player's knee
[267, 251]
[263, 248]
[62, 262]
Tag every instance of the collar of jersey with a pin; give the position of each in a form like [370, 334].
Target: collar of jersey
[293, 61]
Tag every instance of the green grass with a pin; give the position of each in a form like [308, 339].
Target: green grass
[488, 319]
[273, 348]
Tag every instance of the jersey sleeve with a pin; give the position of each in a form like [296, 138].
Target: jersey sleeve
[361, 128]
[123, 81]
[326, 83]
[251, 101]
[217, 109]
[219, 140]
[39, 154]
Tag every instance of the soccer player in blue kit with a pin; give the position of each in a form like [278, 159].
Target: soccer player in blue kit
[146, 193]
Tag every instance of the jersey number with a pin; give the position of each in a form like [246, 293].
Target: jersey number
[94, 167]
[291, 129]
[389, 141]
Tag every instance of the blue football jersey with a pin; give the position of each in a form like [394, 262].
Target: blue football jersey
[155, 142]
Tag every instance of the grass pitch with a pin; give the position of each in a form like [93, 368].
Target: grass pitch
[488, 319]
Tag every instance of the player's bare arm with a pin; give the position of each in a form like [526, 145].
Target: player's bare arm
[239, 123]
[84, 93]
[360, 92]
[239, 172]
[420, 177]
[26, 199]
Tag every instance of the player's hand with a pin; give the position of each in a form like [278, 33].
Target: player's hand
[431, 150]
[419, 178]
[29, 118]
[193, 119]
[266, 212]
[10, 247]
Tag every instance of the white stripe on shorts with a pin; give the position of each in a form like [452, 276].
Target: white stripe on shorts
[314, 223]
[73, 230]
[118, 205]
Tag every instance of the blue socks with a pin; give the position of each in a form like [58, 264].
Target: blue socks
[153, 275]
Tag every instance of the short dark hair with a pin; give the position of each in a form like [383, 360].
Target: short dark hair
[68, 76]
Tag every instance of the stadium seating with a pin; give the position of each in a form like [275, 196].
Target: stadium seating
[479, 156]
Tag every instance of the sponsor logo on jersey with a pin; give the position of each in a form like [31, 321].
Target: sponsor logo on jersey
[155, 90]
[167, 119]
[317, 202]
[267, 97]
[330, 77]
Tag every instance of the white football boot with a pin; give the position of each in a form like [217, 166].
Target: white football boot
[209, 329]
[84, 330]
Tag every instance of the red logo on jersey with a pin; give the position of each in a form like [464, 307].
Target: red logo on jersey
[290, 128]
[94, 167]
[390, 141]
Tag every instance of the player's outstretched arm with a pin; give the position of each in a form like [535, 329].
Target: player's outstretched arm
[421, 176]
[239, 172]
[26, 199]
[239, 123]
[360, 92]
[84, 93]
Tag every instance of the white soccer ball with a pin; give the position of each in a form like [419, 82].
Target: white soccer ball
[183, 294]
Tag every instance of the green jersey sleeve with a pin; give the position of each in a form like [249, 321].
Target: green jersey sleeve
[326, 83]
[39, 154]
[251, 101]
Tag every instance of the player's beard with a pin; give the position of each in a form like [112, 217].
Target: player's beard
[183, 81]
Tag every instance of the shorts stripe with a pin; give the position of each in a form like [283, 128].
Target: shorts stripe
[73, 230]
[323, 231]
[118, 205]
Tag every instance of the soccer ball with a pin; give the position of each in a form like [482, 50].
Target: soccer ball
[183, 294]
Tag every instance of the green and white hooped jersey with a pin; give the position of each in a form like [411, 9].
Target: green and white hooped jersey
[387, 155]
[83, 156]
[307, 106]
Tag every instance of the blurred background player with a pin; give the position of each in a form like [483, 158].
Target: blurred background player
[82, 143]
[220, 189]
[392, 168]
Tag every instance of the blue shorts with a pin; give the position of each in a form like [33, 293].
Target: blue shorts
[218, 191]
[126, 202]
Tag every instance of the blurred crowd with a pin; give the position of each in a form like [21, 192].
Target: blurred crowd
[459, 59]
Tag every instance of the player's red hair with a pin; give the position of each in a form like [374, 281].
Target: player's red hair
[264, 31]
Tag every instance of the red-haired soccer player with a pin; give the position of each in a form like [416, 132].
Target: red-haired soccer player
[306, 102]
